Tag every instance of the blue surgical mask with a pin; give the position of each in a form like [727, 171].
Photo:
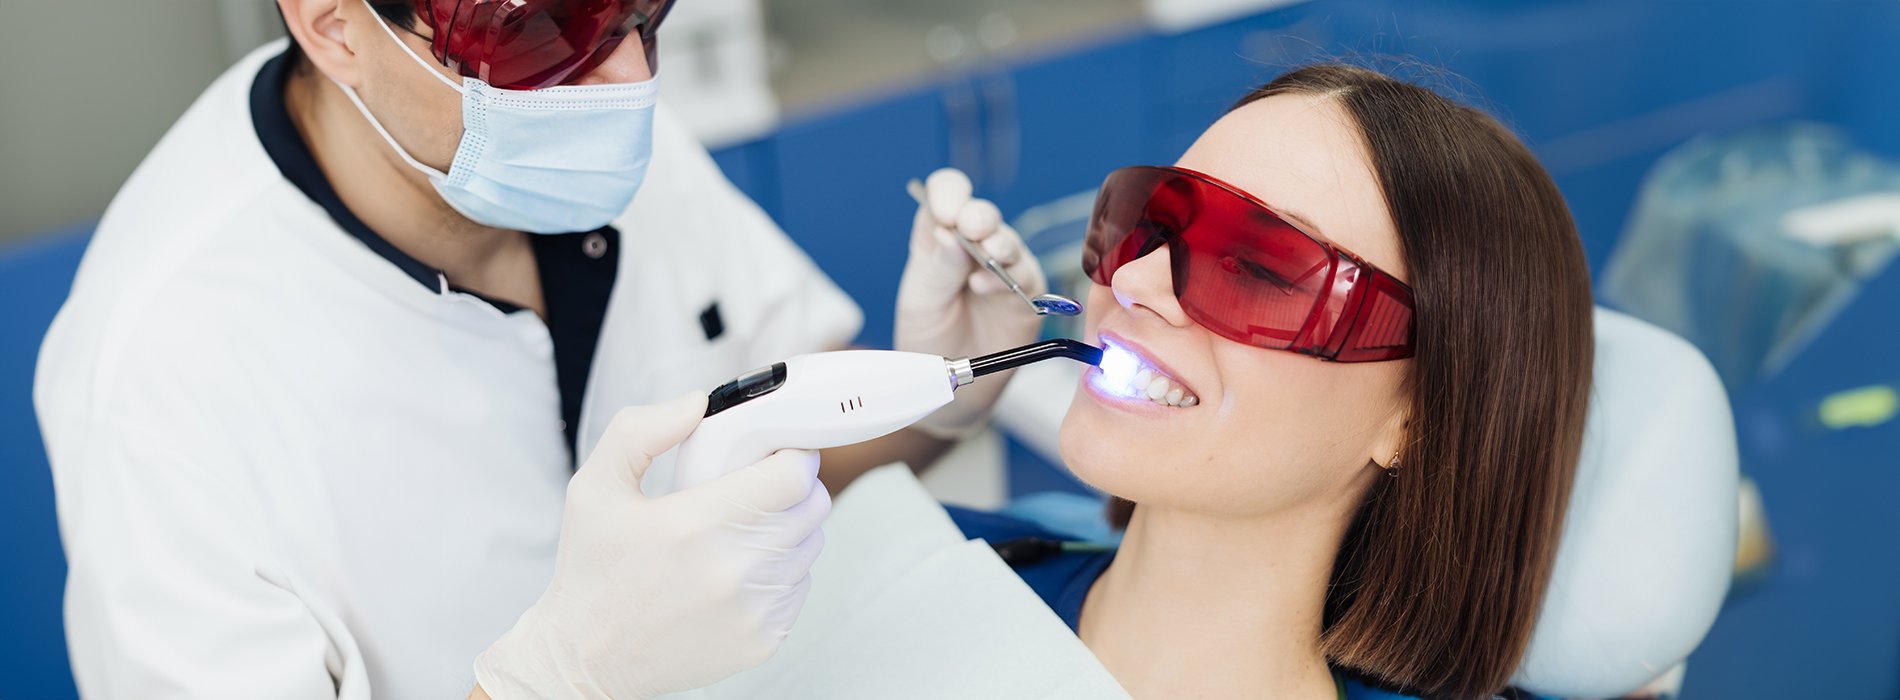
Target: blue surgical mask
[554, 160]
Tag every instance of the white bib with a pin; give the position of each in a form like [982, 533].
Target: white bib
[902, 605]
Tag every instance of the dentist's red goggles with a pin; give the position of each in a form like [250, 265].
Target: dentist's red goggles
[1246, 274]
[532, 44]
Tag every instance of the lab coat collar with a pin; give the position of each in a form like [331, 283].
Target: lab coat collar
[292, 156]
[286, 147]
[577, 270]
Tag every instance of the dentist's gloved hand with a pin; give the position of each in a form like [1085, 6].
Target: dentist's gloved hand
[658, 595]
[948, 305]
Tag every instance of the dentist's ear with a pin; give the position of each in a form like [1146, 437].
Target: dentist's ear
[318, 27]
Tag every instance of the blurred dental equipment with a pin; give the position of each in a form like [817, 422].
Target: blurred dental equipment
[829, 399]
[1042, 304]
[1749, 244]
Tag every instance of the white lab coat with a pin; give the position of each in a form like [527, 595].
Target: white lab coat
[287, 470]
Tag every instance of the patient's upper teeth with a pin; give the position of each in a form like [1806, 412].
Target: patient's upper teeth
[1157, 388]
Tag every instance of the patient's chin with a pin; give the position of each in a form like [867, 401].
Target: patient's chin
[1106, 462]
[1135, 460]
[1085, 453]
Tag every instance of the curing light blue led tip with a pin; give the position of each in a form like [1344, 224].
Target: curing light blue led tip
[1118, 369]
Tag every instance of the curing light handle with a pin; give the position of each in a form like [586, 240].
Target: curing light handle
[809, 402]
[830, 399]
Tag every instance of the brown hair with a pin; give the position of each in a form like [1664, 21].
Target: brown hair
[1436, 587]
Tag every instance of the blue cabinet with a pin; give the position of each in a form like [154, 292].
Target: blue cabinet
[1826, 621]
[1078, 117]
[840, 186]
[34, 279]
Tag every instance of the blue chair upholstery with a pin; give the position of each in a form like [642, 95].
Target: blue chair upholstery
[35, 277]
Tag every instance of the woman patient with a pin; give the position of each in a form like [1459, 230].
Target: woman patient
[1307, 491]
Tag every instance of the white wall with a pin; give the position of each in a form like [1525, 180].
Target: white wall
[713, 70]
[89, 87]
[86, 89]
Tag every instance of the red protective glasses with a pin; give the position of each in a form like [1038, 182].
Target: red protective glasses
[532, 44]
[1246, 274]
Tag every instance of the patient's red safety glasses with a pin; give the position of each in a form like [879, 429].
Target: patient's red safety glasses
[532, 44]
[1246, 274]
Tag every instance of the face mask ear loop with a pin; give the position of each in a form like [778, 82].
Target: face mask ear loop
[412, 54]
[351, 93]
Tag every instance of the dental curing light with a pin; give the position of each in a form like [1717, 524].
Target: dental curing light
[829, 399]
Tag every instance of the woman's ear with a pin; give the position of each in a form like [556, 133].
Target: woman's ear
[318, 27]
[1391, 440]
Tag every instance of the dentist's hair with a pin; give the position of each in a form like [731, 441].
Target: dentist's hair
[1436, 588]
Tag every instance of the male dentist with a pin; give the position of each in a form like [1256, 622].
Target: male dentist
[317, 400]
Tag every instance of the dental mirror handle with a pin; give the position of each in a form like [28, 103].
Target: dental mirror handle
[996, 268]
[916, 189]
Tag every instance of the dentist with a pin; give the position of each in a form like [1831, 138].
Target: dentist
[342, 387]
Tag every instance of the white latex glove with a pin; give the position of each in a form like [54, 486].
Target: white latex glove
[948, 305]
[658, 595]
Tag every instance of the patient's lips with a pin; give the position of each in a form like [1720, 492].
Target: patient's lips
[1127, 374]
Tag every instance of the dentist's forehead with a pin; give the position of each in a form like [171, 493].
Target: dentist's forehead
[1304, 156]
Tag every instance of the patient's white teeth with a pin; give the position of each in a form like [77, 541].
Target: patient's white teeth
[1160, 389]
[1157, 388]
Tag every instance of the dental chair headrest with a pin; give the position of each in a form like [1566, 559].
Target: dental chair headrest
[1649, 541]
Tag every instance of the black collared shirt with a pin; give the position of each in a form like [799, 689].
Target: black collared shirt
[577, 269]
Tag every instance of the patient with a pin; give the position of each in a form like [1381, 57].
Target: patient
[1304, 492]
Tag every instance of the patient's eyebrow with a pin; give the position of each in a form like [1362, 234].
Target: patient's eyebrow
[1305, 224]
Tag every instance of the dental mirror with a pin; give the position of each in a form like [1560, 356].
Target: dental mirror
[1042, 304]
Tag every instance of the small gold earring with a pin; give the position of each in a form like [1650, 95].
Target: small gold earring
[1392, 470]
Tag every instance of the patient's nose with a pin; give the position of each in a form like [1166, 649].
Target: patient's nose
[1148, 282]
